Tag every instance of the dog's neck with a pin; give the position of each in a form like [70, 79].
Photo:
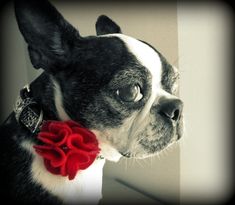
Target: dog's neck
[42, 90]
[87, 185]
[47, 92]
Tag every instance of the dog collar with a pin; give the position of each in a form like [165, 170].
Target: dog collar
[65, 146]
[27, 111]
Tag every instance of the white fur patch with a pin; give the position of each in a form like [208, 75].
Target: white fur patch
[85, 188]
[150, 59]
[107, 151]
[59, 102]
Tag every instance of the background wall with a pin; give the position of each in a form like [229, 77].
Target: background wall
[195, 36]
[204, 38]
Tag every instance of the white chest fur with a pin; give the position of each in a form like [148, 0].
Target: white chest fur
[86, 187]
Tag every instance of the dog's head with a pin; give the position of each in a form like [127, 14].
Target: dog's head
[120, 87]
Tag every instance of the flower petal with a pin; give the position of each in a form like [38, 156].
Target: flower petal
[76, 141]
[50, 168]
[56, 126]
[79, 129]
[63, 171]
[86, 164]
[54, 133]
[75, 159]
[89, 136]
[55, 155]
[51, 138]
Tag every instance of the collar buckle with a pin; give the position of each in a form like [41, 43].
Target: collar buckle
[27, 112]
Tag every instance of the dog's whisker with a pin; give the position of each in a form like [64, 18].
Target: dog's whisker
[146, 161]
[139, 163]
[126, 163]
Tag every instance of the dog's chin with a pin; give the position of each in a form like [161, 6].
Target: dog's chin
[106, 150]
[145, 150]
[141, 147]
[109, 152]
[112, 154]
[152, 146]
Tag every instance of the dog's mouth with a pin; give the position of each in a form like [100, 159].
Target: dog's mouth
[150, 147]
[147, 142]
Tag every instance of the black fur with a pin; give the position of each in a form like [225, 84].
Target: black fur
[105, 25]
[89, 71]
[49, 36]
[97, 72]
[85, 68]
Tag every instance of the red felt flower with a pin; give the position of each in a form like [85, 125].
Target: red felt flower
[67, 147]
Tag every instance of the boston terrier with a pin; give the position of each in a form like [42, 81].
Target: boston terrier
[120, 89]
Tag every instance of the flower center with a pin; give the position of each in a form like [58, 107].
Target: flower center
[65, 148]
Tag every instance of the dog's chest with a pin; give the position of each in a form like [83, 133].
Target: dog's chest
[86, 187]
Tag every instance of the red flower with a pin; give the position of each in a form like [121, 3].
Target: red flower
[68, 147]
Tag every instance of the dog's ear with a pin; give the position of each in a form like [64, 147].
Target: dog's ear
[104, 25]
[46, 32]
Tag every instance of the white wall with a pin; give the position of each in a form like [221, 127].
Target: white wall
[204, 37]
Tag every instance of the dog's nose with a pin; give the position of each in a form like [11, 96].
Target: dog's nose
[171, 108]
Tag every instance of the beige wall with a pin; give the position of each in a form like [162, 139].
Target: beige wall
[205, 35]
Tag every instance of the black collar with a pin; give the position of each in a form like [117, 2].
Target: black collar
[27, 111]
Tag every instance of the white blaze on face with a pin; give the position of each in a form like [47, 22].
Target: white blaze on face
[150, 59]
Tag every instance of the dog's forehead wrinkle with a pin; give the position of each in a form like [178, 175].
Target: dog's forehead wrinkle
[133, 75]
[146, 55]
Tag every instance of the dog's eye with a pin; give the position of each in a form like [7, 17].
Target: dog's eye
[130, 93]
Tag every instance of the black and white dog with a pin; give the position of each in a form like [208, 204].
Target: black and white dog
[119, 87]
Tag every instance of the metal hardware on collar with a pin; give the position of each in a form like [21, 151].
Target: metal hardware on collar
[100, 157]
[27, 88]
[24, 112]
